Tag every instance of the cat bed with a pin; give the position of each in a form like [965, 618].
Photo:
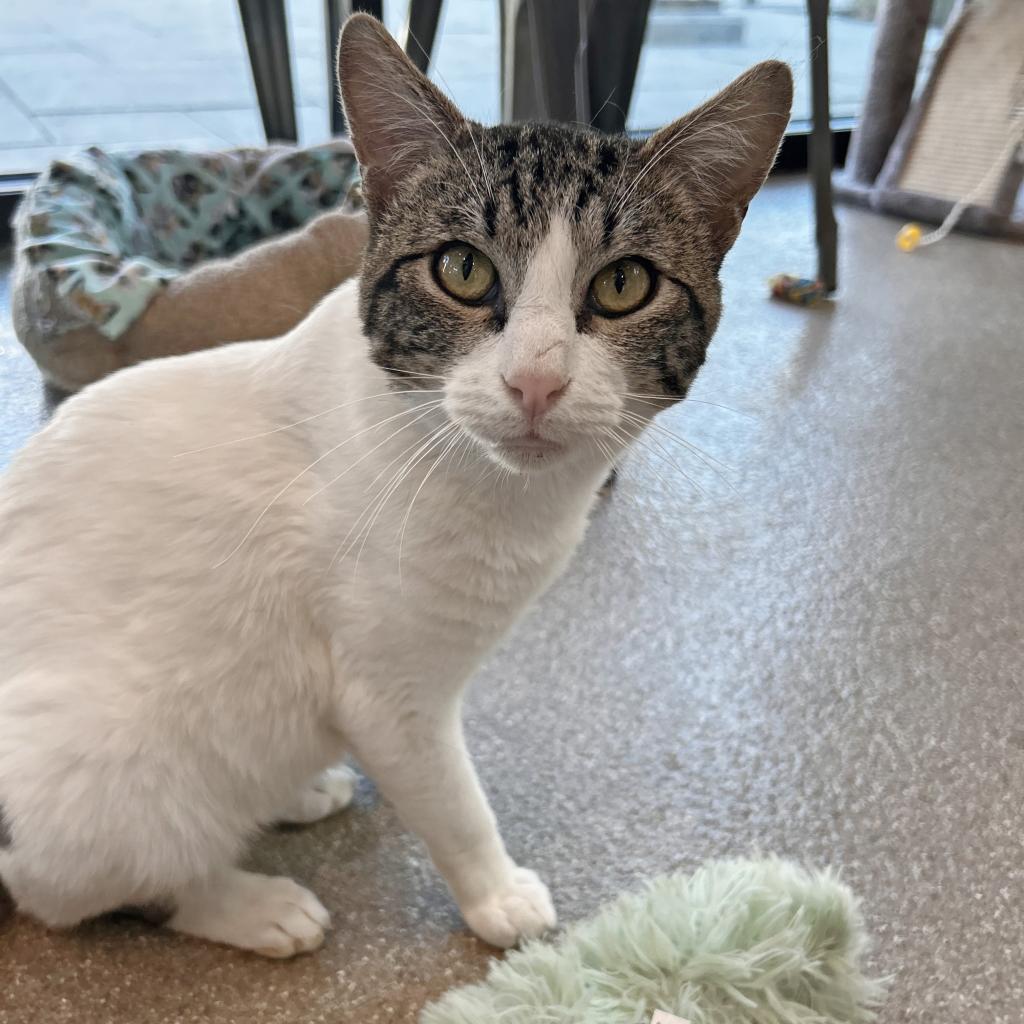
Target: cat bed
[124, 257]
[737, 942]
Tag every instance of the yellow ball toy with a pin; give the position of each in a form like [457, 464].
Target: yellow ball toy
[909, 237]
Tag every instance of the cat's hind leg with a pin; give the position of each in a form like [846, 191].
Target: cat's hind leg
[330, 792]
[272, 916]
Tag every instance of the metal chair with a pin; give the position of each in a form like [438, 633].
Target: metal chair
[265, 25]
[561, 60]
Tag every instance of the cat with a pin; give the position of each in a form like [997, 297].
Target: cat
[224, 572]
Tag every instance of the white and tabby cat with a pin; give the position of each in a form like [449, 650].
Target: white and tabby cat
[222, 572]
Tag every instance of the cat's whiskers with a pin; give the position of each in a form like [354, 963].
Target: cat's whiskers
[628, 442]
[361, 521]
[480, 158]
[651, 399]
[605, 451]
[464, 446]
[706, 457]
[445, 452]
[306, 419]
[621, 443]
[419, 444]
[298, 476]
[665, 469]
[717, 467]
[648, 421]
[468, 446]
[413, 373]
[607, 102]
[391, 489]
[330, 483]
[621, 494]
[357, 524]
[650, 446]
[401, 455]
[439, 438]
[703, 455]
[500, 474]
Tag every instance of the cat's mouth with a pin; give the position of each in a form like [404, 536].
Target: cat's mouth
[528, 450]
[532, 443]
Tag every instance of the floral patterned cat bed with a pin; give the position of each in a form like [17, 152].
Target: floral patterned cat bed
[120, 258]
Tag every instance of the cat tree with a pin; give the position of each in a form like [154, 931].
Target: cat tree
[961, 141]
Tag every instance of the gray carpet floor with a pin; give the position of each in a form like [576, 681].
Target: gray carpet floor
[814, 649]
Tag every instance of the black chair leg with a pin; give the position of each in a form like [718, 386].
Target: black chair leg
[571, 61]
[266, 39]
[615, 36]
[820, 150]
[418, 40]
[420, 31]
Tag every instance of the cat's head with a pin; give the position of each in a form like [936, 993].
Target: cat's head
[554, 281]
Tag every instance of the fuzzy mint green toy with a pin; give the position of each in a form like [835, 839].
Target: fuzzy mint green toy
[737, 942]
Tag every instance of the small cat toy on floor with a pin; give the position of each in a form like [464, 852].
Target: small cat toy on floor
[801, 291]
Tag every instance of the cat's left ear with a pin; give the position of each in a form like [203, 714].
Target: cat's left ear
[722, 151]
[397, 117]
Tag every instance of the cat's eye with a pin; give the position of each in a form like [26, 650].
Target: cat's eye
[465, 273]
[621, 287]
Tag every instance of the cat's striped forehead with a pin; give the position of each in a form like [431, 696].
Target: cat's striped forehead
[503, 185]
[533, 171]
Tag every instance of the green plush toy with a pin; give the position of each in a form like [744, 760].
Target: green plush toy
[737, 942]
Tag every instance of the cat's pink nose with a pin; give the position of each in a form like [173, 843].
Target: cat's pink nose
[535, 393]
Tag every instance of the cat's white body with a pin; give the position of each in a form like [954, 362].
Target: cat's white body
[164, 675]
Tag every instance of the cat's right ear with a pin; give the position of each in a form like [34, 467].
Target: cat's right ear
[722, 151]
[397, 117]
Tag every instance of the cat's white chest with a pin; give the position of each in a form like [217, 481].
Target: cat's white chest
[432, 593]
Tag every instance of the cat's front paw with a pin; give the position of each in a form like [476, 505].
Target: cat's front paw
[519, 909]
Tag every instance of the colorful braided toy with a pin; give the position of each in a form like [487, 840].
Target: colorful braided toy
[801, 291]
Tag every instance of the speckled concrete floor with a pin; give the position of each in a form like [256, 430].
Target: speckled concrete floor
[820, 655]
